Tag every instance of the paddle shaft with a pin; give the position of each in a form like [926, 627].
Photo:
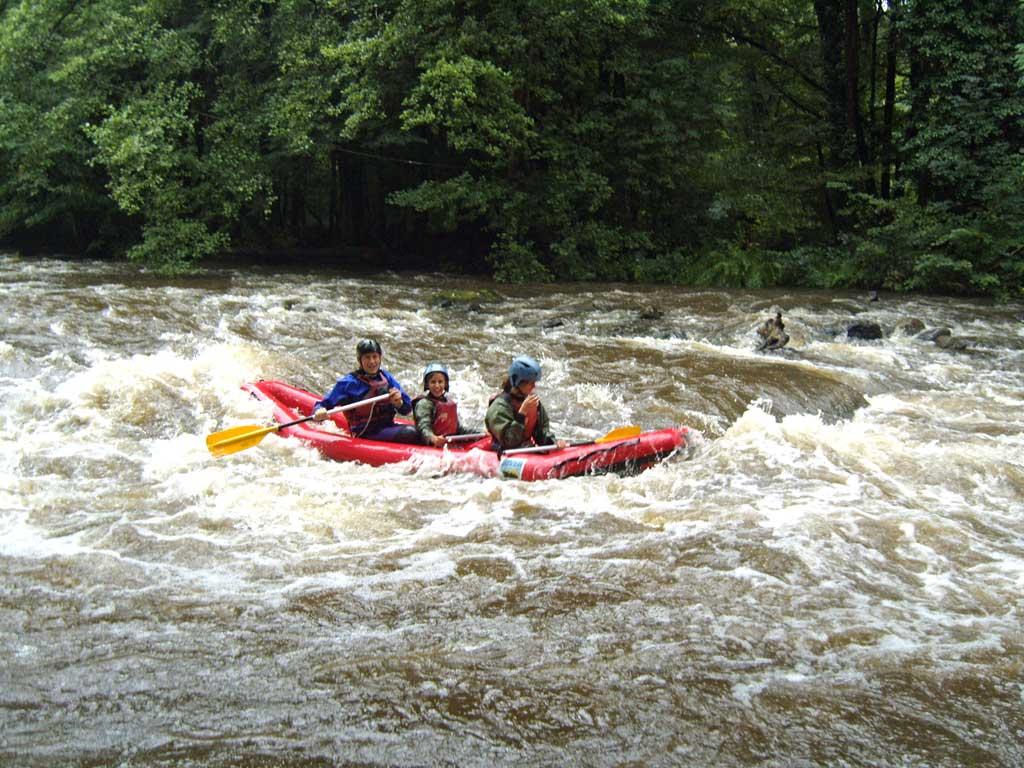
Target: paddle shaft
[620, 433]
[339, 409]
[461, 438]
[545, 448]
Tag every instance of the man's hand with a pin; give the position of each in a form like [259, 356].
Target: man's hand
[396, 397]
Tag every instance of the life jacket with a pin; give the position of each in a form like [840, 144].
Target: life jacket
[370, 418]
[516, 402]
[446, 417]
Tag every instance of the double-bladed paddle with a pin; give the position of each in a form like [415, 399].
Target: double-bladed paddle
[239, 438]
[619, 433]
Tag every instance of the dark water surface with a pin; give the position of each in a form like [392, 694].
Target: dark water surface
[834, 577]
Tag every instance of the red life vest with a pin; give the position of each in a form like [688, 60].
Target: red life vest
[369, 418]
[446, 417]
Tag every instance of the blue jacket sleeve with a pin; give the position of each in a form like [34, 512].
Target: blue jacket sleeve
[347, 389]
[406, 400]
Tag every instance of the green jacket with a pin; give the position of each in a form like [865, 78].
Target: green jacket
[506, 425]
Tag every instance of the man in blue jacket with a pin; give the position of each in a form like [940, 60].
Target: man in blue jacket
[375, 421]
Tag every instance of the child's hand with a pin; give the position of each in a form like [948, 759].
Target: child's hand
[529, 405]
[438, 440]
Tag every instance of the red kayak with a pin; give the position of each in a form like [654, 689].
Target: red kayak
[624, 456]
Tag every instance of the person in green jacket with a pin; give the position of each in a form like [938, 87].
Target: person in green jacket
[437, 414]
[515, 417]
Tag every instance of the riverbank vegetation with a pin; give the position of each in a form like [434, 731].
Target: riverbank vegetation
[726, 142]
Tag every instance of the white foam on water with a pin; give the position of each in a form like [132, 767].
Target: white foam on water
[602, 399]
[795, 551]
[142, 377]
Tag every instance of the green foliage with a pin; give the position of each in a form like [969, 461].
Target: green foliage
[702, 143]
[935, 249]
[670, 266]
[113, 122]
[472, 104]
[146, 145]
[448, 202]
[817, 266]
[173, 246]
[957, 226]
[576, 124]
[46, 185]
[968, 122]
[734, 267]
[595, 251]
[515, 262]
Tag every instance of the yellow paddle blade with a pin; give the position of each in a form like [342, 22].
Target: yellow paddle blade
[620, 433]
[237, 439]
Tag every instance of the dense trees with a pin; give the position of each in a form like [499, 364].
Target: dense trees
[757, 142]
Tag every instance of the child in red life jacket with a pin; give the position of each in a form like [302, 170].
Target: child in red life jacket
[437, 415]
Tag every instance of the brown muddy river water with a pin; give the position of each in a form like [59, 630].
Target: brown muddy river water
[833, 577]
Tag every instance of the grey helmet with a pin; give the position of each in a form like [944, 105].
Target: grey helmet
[435, 368]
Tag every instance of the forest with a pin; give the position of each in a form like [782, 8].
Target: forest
[745, 143]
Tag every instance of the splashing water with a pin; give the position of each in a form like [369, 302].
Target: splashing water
[833, 578]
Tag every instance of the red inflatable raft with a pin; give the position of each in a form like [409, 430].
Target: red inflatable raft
[627, 456]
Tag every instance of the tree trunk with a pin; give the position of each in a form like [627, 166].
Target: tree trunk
[853, 119]
[351, 201]
[873, 77]
[919, 113]
[830, 31]
[826, 194]
[890, 102]
[297, 213]
[333, 193]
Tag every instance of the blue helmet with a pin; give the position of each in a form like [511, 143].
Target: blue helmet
[435, 368]
[523, 368]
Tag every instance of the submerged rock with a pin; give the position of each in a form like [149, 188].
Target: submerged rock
[934, 334]
[669, 333]
[944, 339]
[296, 305]
[466, 299]
[865, 330]
[951, 342]
[910, 327]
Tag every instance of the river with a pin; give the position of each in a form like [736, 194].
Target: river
[833, 577]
